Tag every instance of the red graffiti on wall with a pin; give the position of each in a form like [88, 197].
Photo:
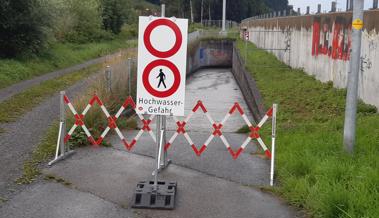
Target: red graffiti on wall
[333, 41]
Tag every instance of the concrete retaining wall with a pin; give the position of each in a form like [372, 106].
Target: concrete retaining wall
[222, 53]
[321, 45]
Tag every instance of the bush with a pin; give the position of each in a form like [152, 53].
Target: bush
[24, 27]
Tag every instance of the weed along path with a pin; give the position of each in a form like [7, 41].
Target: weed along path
[213, 185]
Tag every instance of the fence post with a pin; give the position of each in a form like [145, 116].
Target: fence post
[108, 78]
[129, 76]
[274, 110]
[375, 4]
[319, 9]
[334, 7]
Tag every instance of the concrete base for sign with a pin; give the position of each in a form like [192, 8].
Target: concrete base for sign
[146, 197]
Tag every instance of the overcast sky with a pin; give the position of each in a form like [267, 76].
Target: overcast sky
[325, 4]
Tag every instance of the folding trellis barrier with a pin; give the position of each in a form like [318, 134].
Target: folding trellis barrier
[63, 150]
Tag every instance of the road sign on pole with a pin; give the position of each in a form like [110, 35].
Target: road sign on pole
[162, 57]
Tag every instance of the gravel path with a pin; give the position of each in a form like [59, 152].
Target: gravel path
[22, 136]
[9, 91]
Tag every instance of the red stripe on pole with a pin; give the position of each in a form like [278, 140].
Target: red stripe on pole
[268, 153]
[238, 107]
[66, 138]
[269, 112]
[129, 101]
[127, 145]
[254, 132]
[146, 124]
[79, 119]
[198, 152]
[92, 140]
[181, 127]
[66, 100]
[217, 129]
[235, 154]
[199, 104]
[94, 99]
[167, 146]
[99, 141]
[112, 122]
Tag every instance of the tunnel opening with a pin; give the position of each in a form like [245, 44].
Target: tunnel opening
[222, 53]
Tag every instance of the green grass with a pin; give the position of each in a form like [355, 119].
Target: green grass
[60, 55]
[42, 153]
[17, 105]
[313, 171]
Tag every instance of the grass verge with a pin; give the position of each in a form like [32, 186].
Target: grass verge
[59, 56]
[17, 105]
[44, 151]
[313, 171]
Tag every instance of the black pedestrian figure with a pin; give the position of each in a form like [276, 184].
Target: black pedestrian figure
[162, 78]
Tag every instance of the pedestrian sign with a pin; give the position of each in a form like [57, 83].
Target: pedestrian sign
[162, 57]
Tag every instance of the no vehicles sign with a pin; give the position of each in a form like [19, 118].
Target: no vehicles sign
[162, 56]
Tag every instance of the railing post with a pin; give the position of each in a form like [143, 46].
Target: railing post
[108, 78]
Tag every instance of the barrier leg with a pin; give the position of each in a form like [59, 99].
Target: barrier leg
[61, 152]
[156, 194]
[274, 109]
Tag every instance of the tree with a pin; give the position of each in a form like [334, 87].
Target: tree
[114, 14]
[23, 27]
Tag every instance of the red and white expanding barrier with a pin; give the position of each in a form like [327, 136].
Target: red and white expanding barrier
[216, 128]
[254, 130]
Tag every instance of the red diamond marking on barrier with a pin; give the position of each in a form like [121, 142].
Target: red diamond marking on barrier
[66, 138]
[269, 112]
[199, 152]
[79, 119]
[268, 153]
[181, 127]
[92, 140]
[238, 107]
[66, 100]
[217, 131]
[112, 122]
[235, 154]
[146, 124]
[94, 99]
[199, 104]
[129, 101]
[167, 146]
[127, 145]
[254, 132]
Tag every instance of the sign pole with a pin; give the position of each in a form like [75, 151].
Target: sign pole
[353, 77]
[160, 133]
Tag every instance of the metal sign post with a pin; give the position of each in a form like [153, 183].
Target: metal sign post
[162, 52]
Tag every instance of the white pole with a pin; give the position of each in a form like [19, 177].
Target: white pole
[353, 79]
[223, 15]
[274, 109]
